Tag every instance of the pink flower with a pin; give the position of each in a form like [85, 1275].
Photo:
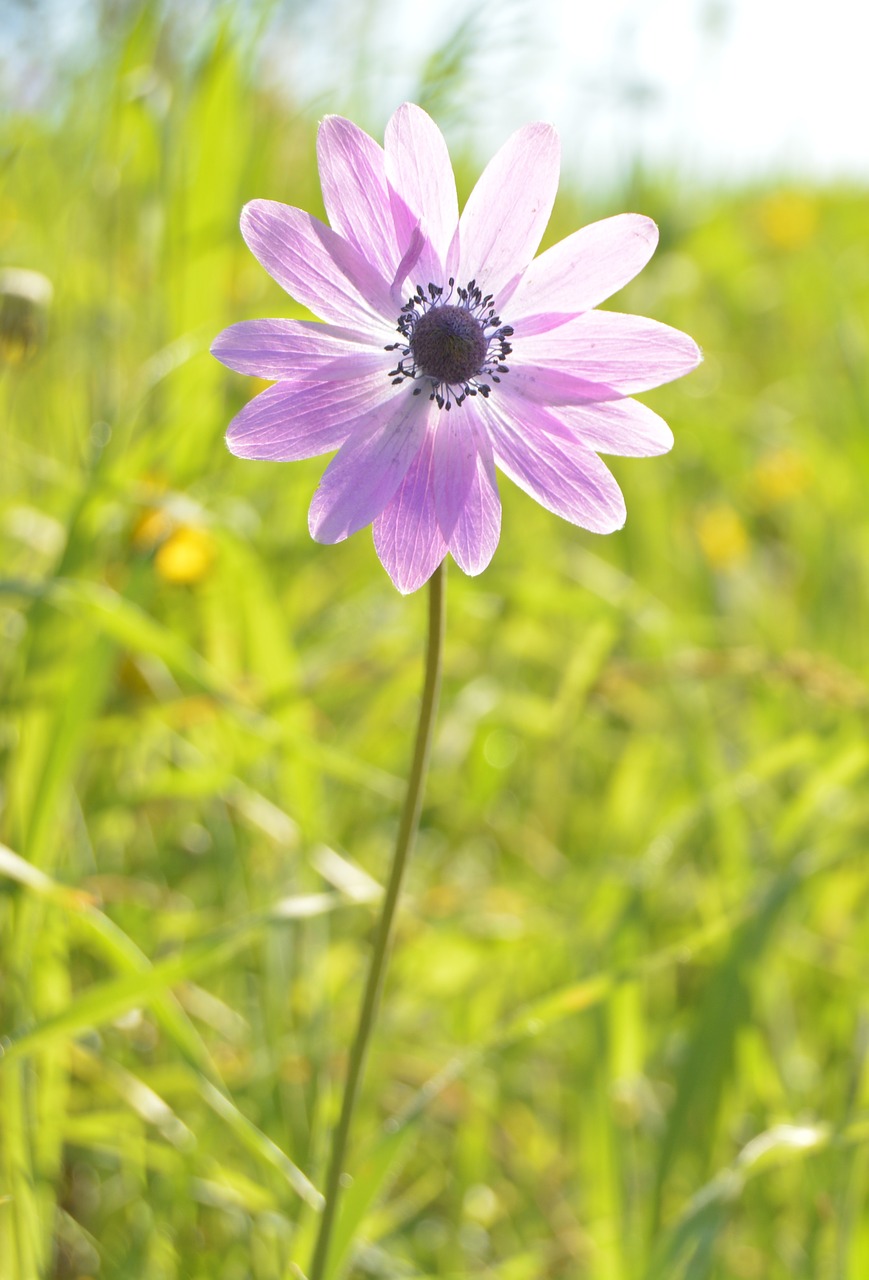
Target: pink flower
[448, 348]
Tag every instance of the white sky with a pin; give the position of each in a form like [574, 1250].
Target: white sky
[773, 84]
[718, 88]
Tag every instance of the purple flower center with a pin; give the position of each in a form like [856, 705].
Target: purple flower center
[448, 345]
[458, 347]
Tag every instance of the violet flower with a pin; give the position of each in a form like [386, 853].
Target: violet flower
[448, 348]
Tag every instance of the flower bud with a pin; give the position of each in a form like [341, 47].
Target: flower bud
[25, 297]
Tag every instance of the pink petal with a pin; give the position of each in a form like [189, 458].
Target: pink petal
[300, 420]
[508, 209]
[297, 351]
[559, 473]
[355, 193]
[585, 268]
[622, 427]
[406, 533]
[465, 488]
[552, 386]
[419, 171]
[607, 348]
[416, 243]
[317, 267]
[369, 467]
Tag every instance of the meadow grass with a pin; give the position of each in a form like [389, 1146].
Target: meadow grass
[625, 1029]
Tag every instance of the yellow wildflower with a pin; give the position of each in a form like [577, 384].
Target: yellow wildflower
[780, 475]
[722, 536]
[186, 555]
[788, 219]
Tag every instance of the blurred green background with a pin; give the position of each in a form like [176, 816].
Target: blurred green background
[626, 1025]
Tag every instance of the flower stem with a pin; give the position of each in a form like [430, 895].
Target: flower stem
[403, 847]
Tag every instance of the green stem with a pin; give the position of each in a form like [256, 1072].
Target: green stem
[403, 847]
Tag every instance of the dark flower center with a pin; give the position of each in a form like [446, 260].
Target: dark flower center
[448, 344]
[458, 348]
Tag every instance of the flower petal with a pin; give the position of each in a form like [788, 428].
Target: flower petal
[552, 386]
[582, 270]
[416, 243]
[369, 467]
[355, 192]
[622, 427]
[290, 420]
[406, 533]
[465, 488]
[623, 352]
[297, 351]
[317, 267]
[419, 171]
[508, 209]
[559, 473]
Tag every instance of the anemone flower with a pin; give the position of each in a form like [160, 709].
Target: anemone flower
[448, 350]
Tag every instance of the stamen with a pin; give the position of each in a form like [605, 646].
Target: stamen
[454, 339]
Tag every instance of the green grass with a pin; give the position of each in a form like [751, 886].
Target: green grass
[626, 1027]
